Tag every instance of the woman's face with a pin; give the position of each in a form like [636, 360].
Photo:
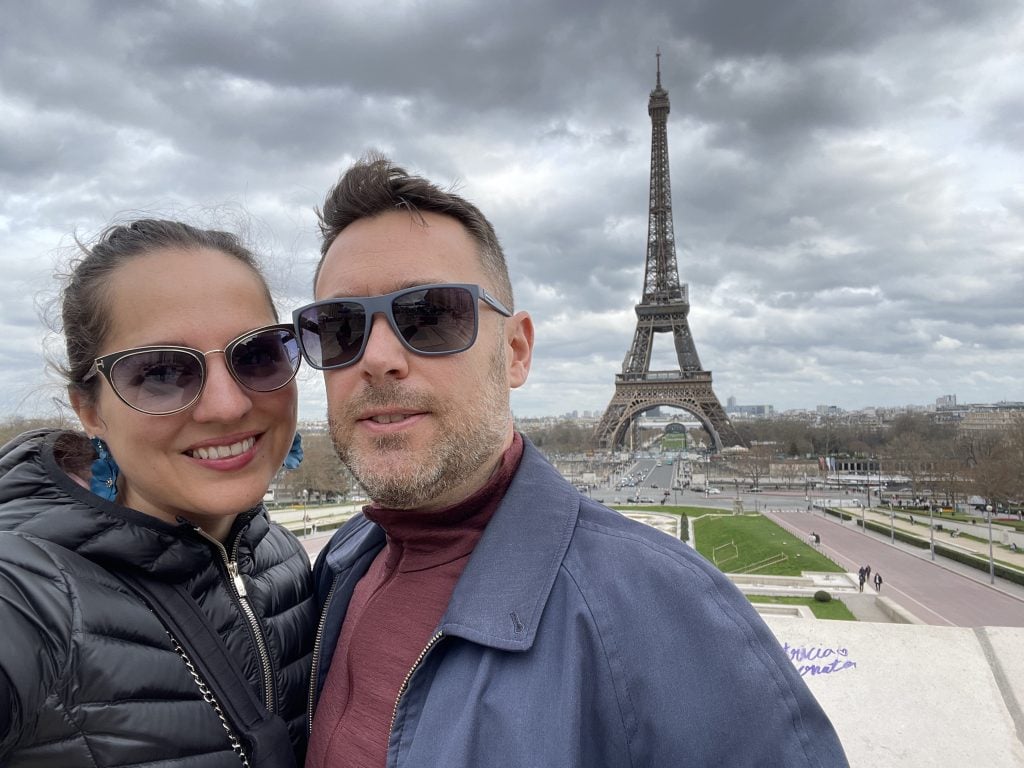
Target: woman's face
[201, 299]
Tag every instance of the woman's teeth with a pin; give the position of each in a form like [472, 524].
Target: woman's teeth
[224, 451]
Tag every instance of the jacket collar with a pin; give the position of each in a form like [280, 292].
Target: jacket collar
[501, 595]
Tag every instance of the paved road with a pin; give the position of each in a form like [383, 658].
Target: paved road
[935, 594]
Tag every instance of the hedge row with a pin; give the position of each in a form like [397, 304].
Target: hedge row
[967, 558]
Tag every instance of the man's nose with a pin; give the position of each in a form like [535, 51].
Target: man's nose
[385, 354]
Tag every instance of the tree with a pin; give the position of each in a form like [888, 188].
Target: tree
[561, 438]
[993, 464]
[321, 471]
[908, 454]
[756, 463]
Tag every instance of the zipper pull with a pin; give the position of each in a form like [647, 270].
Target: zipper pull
[236, 577]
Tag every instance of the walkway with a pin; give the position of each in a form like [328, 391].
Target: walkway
[942, 593]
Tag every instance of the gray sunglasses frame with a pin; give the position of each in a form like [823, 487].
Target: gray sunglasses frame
[384, 305]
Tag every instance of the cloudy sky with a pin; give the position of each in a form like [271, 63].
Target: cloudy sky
[846, 176]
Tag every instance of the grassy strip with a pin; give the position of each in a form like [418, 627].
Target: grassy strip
[835, 609]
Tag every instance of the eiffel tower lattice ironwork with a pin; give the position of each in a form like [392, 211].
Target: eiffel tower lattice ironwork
[662, 309]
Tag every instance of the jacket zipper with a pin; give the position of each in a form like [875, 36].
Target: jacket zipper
[317, 646]
[242, 598]
[405, 683]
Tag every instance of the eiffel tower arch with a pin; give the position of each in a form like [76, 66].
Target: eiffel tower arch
[663, 308]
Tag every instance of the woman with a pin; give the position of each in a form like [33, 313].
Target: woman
[184, 386]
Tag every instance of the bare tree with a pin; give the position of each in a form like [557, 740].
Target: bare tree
[756, 463]
[321, 472]
[993, 464]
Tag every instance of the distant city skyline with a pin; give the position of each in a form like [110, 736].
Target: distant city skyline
[748, 410]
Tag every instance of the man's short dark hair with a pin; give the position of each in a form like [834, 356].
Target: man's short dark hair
[375, 185]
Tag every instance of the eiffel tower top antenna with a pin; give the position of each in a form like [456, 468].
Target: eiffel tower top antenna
[658, 56]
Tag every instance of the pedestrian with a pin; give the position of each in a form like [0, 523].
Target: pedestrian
[132, 551]
[481, 610]
[861, 578]
[878, 582]
[867, 572]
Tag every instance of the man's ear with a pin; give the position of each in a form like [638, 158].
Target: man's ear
[519, 335]
[87, 412]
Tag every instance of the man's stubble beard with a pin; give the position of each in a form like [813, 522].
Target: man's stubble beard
[467, 439]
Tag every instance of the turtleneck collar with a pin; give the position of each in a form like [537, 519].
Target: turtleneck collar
[419, 539]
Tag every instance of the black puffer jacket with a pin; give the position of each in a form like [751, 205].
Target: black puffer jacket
[88, 676]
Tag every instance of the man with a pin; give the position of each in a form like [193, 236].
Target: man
[481, 611]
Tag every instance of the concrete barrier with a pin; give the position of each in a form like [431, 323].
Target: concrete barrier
[914, 696]
[793, 611]
[896, 612]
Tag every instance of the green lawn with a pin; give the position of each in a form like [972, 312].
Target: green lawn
[756, 539]
[835, 609]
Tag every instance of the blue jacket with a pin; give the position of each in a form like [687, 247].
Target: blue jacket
[577, 637]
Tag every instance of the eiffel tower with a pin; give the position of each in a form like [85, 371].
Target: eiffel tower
[662, 309]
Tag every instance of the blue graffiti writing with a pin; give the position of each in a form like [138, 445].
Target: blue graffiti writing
[818, 660]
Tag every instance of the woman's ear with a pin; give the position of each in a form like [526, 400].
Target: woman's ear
[88, 413]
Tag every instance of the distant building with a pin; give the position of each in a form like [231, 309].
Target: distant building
[749, 411]
[985, 418]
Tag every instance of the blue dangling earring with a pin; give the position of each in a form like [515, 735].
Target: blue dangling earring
[294, 457]
[104, 472]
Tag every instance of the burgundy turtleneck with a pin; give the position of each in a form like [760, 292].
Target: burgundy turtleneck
[395, 609]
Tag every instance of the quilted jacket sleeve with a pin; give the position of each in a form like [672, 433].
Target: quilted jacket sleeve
[36, 622]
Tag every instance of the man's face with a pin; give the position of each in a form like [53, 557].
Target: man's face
[417, 431]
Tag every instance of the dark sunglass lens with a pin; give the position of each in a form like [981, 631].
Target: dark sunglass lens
[436, 320]
[157, 382]
[267, 360]
[332, 334]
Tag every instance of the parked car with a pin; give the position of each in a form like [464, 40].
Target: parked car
[714, 490]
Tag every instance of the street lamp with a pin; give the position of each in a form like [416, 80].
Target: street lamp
[867, 478]
[991, 561]
[931, 528]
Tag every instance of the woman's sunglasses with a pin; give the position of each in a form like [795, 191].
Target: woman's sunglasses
[163, 380]
[437, 319]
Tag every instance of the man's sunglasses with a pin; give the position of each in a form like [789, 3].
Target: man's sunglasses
[439, 319]
[163, 380]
